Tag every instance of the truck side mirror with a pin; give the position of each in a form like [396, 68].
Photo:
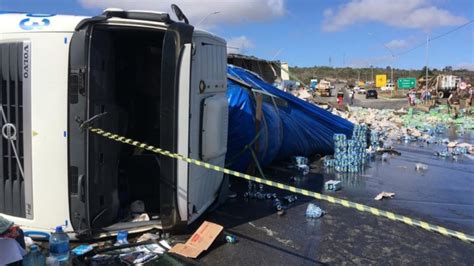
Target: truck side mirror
[179, 13]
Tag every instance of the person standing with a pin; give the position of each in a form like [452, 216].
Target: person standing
[352, 94]
[454, 103]
[340, 97]
[468, 107]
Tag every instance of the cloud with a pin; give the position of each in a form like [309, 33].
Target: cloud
[415, 14]
[397, 44]
[239, 45]
[229, 11]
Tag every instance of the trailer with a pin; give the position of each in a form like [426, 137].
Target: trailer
[138, 74]
[441, 85]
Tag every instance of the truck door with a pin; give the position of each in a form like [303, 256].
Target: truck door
[175, 92]
[78, 179]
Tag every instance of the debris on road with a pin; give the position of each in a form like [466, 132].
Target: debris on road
[82, 249]
[421, 167]
[300, 163]
[384, 195]
[200, 241]
[231, 239]
[332, 185]
[406, 126]
[349, 155]
[313, 211]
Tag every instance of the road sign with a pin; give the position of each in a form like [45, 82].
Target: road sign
[380, 80]
[406, 83]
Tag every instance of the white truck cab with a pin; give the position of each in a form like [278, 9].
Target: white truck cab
[134, 73]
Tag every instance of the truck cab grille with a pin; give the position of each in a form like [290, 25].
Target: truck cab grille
[12, 192]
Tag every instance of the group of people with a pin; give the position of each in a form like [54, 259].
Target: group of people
[425, 97]
[454, 100]
[340, 96]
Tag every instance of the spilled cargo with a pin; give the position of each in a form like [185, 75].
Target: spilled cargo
[273, 124]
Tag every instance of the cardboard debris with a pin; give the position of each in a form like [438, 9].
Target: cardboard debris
[452, 144]
[384, 194]
[200, 241]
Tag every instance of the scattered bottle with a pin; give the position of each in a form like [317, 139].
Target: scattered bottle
[59, 244]
[231, 239]
[314, 211]
[34, 257]
[52, 261]
[122, 238]
[291, 198]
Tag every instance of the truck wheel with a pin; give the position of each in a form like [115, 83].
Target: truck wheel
[440, 94]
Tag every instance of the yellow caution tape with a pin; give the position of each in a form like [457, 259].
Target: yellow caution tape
[345, 203]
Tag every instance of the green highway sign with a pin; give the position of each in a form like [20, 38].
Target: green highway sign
[406, 83]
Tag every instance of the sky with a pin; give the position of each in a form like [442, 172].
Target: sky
[337, 33]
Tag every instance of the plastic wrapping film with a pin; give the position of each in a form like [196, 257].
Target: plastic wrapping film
[289, 126]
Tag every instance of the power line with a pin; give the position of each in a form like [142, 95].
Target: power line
[434, 38]
[451, 31]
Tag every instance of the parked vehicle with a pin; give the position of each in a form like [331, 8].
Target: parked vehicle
[371, 93]
[313, 84]
[324, 88]
[359, 90]
[134, 73]
[388, 87]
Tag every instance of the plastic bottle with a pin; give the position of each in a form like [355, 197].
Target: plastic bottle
[34, 257]
[52, 261]
[313, 211]
[59, 244]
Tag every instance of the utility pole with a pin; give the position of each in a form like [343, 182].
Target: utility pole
[372, 73]
[391, 75]
[205, 17]
[426, 61]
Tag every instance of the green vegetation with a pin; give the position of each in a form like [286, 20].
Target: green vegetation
[306, 73]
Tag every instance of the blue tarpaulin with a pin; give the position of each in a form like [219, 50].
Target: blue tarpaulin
[289, 126]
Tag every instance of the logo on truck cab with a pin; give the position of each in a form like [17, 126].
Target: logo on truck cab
[26, 60]
[35, 21]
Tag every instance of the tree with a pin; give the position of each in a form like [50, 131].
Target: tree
[448, 69]
[423, 72]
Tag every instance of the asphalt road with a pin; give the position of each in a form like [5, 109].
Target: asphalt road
[442, 195]
[360, 100]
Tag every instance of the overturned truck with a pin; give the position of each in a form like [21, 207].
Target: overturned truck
[137, 74]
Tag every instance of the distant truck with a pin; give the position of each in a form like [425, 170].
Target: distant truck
[442, 85]
[324, 88]
[313, 84]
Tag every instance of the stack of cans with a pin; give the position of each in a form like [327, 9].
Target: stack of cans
[349, 155]
[375, 140]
